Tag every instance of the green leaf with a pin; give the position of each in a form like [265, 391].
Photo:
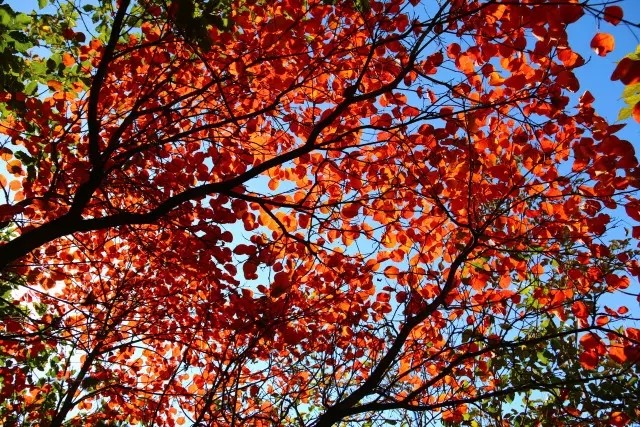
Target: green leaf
[22, 20]
[625, 113]
[42, 3]
[630, 91]
[24, 157]
[5, 17]
[31, 88]
[541, 358]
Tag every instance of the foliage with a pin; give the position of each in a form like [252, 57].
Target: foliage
[311, 212]
[28, 358]
[628, 72]
[13, 44]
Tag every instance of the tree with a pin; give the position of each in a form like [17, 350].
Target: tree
[319, 213]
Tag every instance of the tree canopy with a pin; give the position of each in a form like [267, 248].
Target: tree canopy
[314, 213]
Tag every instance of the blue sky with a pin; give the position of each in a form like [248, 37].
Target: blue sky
[595, 75]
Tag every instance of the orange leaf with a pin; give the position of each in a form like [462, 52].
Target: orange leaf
[537, 270]
[602, 43]
[613, 14]
[569, 58]
[391, 271]
[495, 79]
[15, 185]
[618, 354]
[68, 60]
[54, 85]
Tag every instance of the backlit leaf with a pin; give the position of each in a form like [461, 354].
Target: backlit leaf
[602, 43]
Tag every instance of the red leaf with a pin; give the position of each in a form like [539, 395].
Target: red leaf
[401, 297]
[580, 310]
[591, 341]
[633, 209]
[453, 50]
[627, 71]
[589, 359]
[568, 80]
[613, 14]
[636, 112]
[616, 282]
[602, 43]
[243, 249]
[619, 419]
[281, 283]
[587, 98]
[249, 269]
[570, 13]
[350, 210]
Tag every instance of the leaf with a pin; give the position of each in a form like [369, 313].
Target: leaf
[580, 310]
[570, 58]
[627, 71]
[542, 358]
[633, 209]
[613, 14]
[54, 85]
[636, 112]
[591, 341]
[619, 419]
[618, 354]
[281, 283]
[602, 43]
[625, 113]
[589, 360]
[249, 269]
[495, 79]
[350, 210]
[68, 60]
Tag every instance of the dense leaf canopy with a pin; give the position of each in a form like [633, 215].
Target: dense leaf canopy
[313, 213]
